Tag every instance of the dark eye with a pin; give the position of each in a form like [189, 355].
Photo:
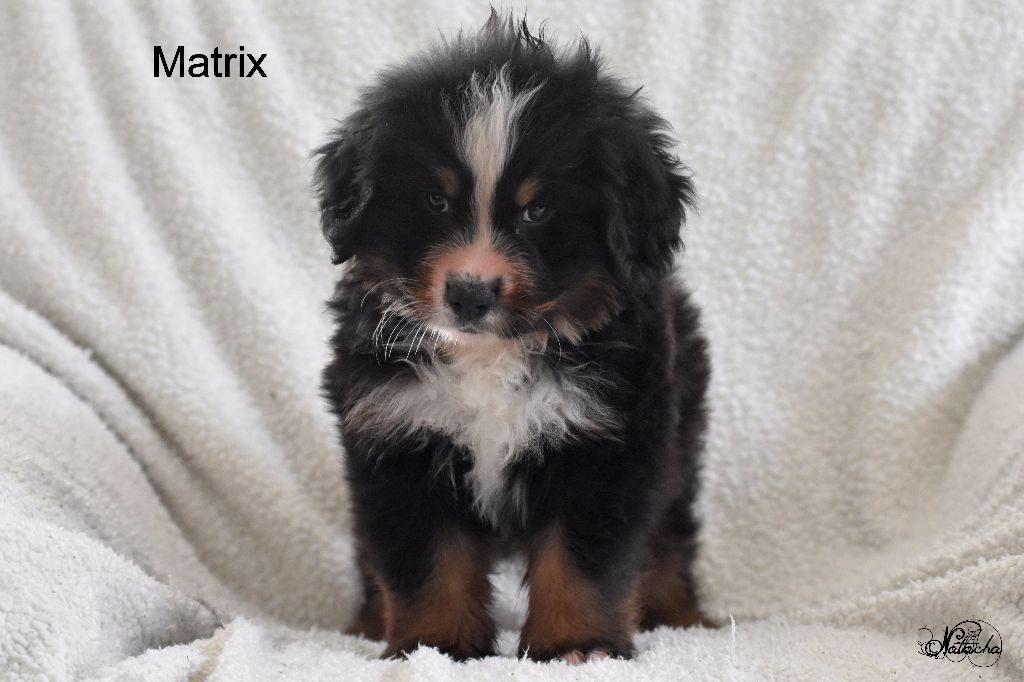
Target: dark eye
[437, 202]
[536, 213]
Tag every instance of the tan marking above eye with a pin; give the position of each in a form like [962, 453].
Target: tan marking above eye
[527, 191]
[449, 180]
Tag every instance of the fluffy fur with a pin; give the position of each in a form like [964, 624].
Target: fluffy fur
[514, 367]
[499, 404]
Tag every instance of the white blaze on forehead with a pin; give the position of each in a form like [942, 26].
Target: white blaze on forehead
[492, 113]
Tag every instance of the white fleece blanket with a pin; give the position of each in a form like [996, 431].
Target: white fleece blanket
[171, 502]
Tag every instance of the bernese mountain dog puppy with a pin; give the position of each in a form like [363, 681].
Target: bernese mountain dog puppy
[515, 367]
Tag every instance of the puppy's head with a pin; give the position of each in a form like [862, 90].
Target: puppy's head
[496, 186]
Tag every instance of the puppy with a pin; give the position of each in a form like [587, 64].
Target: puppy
[514, 368]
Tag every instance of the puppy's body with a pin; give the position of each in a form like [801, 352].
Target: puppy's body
[514, 368]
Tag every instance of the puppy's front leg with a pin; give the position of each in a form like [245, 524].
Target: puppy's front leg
[429, 569]
[575, 615]
[449, 609]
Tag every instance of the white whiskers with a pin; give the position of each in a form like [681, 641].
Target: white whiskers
[401, 280]
[558, 341]
[400, 328]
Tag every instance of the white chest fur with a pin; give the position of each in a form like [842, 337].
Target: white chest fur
[501, 405]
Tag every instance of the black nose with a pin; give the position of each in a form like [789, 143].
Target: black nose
[470, 298]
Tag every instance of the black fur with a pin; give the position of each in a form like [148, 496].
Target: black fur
[618, 197]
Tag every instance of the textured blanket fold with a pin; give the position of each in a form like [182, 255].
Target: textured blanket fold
[172, 504]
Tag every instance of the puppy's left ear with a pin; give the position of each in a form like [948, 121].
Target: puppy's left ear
[648, 205]
[343, 187]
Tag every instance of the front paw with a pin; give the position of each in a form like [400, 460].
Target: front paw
[576, 657]
[459, 651]
[575, 653]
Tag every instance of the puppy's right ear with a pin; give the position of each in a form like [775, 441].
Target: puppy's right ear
[343, 188]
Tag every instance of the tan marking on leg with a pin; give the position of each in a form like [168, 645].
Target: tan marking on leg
[666, 600]
[567, 613]
[450, 611]
[369, 622]
[666, 593]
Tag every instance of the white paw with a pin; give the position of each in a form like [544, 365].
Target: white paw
[576, 657]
